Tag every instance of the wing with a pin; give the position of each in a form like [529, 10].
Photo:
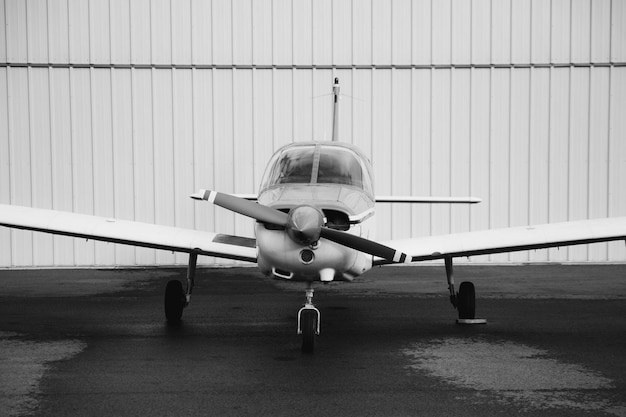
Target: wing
[511, 239]
[128, 232]
[427, 199]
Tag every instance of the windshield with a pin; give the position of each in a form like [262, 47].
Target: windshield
[318, 164]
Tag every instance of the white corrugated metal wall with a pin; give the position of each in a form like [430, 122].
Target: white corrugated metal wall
[123, 108]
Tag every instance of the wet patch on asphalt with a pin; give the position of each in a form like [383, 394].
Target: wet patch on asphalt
[523, 376]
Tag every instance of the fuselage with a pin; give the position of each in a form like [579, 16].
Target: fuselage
[334, 178]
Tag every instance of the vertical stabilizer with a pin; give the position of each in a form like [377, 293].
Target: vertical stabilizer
[336, 110]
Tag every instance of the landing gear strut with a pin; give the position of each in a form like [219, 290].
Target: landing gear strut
[176, 299]
[309, 318]
[465, 300]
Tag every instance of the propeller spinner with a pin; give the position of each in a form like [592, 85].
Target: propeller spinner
[304, 224]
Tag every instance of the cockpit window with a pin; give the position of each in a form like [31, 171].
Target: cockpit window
[318, 164]
[339, 166]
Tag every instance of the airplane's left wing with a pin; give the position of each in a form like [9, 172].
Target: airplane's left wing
[510, 239]
[128, 232]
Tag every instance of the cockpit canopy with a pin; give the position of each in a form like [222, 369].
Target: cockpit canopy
[319, 163]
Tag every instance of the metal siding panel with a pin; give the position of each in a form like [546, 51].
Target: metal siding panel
[421, 149]
[501, 32]
[381, 149]
[539, 151]
[461, 32]
[342, 32]
[164, 173]
[143, 154]
[123, 170]
[322, 32]
[16, 33]
[519, 153]
[262, 46]
[222, 32]
[161, 32]
[480, 149]
[381, 32]
[183, 153]
[19, 145]
[99, 35]
[421, 31]
[362, 34]
[37, 27]
[481, 32]
[520, 31]
[201, 32]
[39, 113]
[263, 119]
[500, 175]
[203, 155]
[600, 31]
[282, 32]
[181, 32]
[400, 143]
[82, 156]
[303, 105]
[58, 31]
[581, 31]
[140, 34]
[79, 32]
[5, 166]
[579, 154]
[244, 145]
[322, 105]
[618, 31]
[102, 136]
[242, 32]
[283, 104]
[401, 47]
[302, 32]
[223, 145]
[460, 149]
[440, 147]
[441, 32]
[617, 154]
[3, 33]
[362, 111]
[599, 100]
[540, 32]
[120, 32]
[559, 145]
[560, 36]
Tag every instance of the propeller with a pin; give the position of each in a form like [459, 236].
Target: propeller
[304, 224]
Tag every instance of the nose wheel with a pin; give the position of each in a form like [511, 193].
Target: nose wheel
[309, 318]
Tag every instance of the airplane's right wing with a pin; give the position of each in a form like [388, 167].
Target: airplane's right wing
[510, 239]
[128, 232]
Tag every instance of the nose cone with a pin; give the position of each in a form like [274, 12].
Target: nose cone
[305, 224]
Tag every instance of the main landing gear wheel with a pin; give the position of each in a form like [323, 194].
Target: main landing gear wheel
[466, 301]
[175, 301]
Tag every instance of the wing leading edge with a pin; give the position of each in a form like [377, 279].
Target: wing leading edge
[128, 232]
[511, 239]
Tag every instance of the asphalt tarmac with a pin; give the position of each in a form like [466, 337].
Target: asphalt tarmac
[95, 342]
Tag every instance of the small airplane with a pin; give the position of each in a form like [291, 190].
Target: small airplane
[314, 213]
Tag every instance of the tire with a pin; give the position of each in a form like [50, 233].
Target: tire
[174, 301]
[466, 299]
[309, 327]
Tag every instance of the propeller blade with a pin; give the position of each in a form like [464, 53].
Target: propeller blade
[365, 245]
[248, 208]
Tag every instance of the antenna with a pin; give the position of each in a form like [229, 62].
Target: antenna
[336, 110]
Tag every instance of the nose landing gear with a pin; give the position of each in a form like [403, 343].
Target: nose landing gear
[309, 318]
